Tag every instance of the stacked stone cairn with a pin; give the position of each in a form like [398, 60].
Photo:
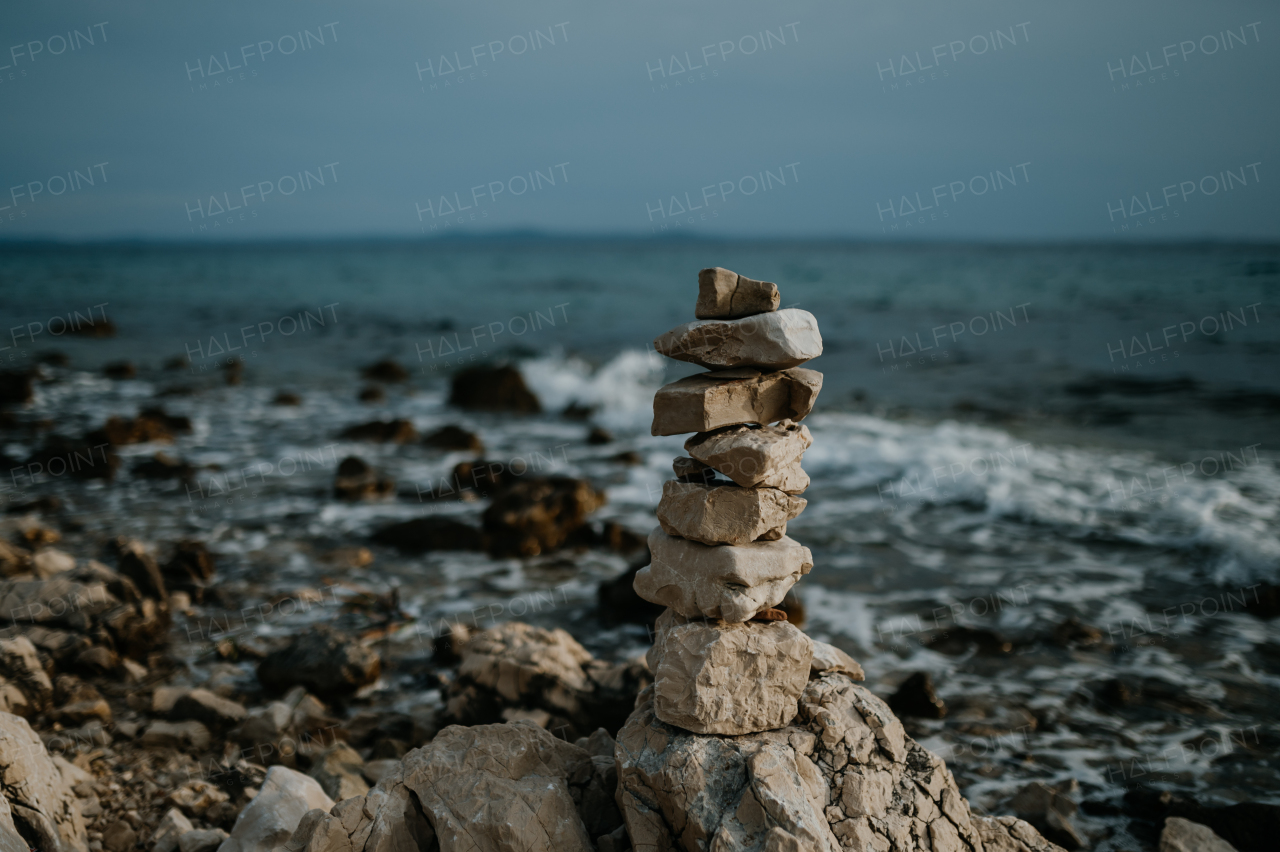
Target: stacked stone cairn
[725, 660]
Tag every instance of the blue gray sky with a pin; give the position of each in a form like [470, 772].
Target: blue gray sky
[881, 119]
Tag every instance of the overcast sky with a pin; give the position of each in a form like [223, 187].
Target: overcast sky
[925, 119]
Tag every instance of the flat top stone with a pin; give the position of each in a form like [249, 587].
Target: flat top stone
[774, 341]
[708, 401]
[725, 514]
[748, 454]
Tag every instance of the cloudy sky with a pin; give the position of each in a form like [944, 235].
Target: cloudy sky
[920, 119]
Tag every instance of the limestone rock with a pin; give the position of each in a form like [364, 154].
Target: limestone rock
[25, 688]
[205, 707]
[38, 795]
[519, 667]
[489, 788]
[692, 470]
[338, 769]
[709, 401]
[844, 775]
[1183, 835]
[731, 679]
[172, 826]
[726, 514]
[773, 341]
[754, 456]
[730, 583]
[201, 840]
[829, 658]
[724, 294]
[273, 815]
[10, 840]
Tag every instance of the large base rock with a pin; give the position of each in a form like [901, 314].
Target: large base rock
[769, 341]
[729, 583]
[720, 678]
[711, 400]
[726, 514]
[42, 806]
[844, 776]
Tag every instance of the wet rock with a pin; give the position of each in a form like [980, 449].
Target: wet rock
[51, 562]
[1050, 811]
[14, 560]
[25, 688]
[398, 431]
[725, 678]
[201, 840]
[728, 514]
[78, 702]
[172, 826]
[16, 387]
[599, 435]
[94, 328]
[385, 370]
[916, 697]
[1266, 601]
[339, 771]
[119, 836]
[120, 370]
[372, 395]
[529, 668]
[189, 569]
[958, 639]
[732, 583]
[357, 480]
[430, 533]
[708, 401]
[772, 341]
[493, 388]
[47, 503]
[756, 456]
[724, 294]
[85, 458]
[135, 561]
[164, 466]
[271, 818]
[283, 398]
[844, 775]
[446, 649]
[213, 711]
[454, 438]
[151, 425]
[324, 661]
[41, 802]
[538, 515]
[1248, 826]
[474, 479]
[349, 557]
[34, 536]
[1182, 835]
[1075, 633]
[180, 736]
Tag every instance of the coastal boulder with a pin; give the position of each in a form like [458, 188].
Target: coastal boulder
[493, 388]
[538, 515]
[325, 661]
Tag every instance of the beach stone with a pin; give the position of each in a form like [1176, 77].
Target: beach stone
[357, 480]
[60, 600]
[538, 515]
[136, 562]
[25, 688]
[325, 661]
[338, 769]
[207, 708]
[201, 840]
[38, 795]
[398, 431]
[493, 388]
[729, 583]
[13, 560]
[433, 532]
[1050, 811]
[844, 775]
[1182, 835]
[385, 370]
[171, 827]
[516, 666]
[829, 658]
[180, 736]
[726, 514]
[707, 401]
[50, 561]
[726, 678]
[453, 437]
[756, 456]
[272, 817]
[772, 341]
[724, 294]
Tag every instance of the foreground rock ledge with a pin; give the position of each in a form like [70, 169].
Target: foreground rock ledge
[844, 776]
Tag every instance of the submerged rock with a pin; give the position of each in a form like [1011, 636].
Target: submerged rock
[535, 516]
[430, 533]
[356, 480]
[381, 431]
[493, 388]
[454, 438]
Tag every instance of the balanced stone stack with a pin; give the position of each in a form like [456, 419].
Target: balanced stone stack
[725, 660]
